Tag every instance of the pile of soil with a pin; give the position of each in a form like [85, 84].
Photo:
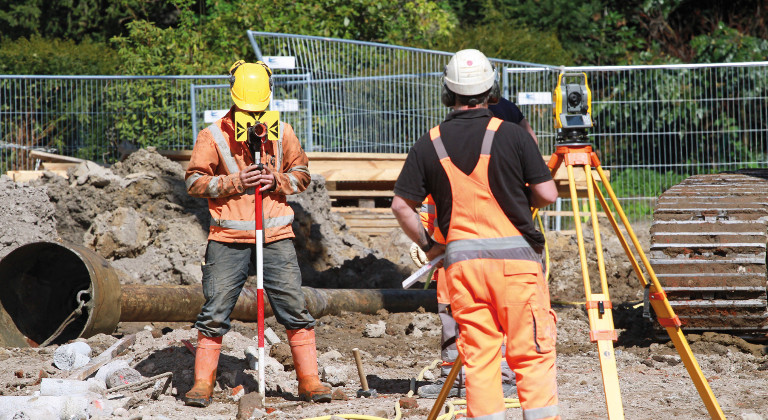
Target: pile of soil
[138, 215]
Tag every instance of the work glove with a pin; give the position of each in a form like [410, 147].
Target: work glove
[418, 256]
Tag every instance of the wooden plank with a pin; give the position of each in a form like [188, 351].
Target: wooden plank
[368, 221]
[26, 176]
[52, 157]
[357, 166]
[360, 193]
[176, 155]
[58, 166]
[345, 210]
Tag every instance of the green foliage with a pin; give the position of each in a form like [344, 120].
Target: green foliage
[593, 32]
[510, 42]
[727, 45]
[38, 55]
[141, 108]
[637, 183]
[20, 18]
[78, 19]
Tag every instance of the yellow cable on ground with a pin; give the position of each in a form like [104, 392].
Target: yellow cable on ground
[398, 414]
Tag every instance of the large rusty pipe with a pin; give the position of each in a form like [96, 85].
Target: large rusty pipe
[145, 303]
[41, 284]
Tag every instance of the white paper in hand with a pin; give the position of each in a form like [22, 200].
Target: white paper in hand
[420, 272]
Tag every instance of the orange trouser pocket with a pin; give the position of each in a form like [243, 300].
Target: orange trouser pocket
[544, 328]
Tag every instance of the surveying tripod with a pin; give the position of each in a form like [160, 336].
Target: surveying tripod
[602, 332]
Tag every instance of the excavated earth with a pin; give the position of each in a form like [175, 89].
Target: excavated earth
[137, 215]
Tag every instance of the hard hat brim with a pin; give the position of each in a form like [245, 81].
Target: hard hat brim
[252, 106]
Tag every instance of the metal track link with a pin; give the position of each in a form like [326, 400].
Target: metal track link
[708, 249]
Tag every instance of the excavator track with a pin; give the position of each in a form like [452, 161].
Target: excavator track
[708, 250]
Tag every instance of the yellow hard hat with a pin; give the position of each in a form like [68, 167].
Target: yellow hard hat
[250, 85]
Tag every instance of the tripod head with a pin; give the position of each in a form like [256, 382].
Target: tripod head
[573, 105]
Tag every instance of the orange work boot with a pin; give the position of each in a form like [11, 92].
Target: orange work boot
[206, 360]
[305, 360]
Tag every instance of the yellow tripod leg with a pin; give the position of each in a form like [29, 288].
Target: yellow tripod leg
[598, 307]
[603, 333]
[666, 315]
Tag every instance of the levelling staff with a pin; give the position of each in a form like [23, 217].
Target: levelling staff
[476, 167]
[221, 170]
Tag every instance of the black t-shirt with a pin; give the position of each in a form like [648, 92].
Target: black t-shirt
[515, 161]
[507, 111]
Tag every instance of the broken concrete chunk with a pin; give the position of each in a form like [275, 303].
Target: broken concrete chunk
[123, 376]
[375, 330]
[62, 387]
[72, 356]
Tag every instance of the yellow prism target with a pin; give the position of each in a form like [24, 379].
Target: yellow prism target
[244, 119]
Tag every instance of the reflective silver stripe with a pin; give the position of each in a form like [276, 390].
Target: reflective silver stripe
[213, 187]
[495, 416]
[269, 223]
[485, 149]
[299, 168]
[428, 208]
[274, 222]
[250, 191]
[218, 137]
[506, 248]
[279, 154]
[540, 413]
[440, 148]
[234, 224]
[294, 183]
[192, 178]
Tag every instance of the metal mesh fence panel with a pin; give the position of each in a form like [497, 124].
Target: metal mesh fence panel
[92, 117]
[656, 125]
[366, 96]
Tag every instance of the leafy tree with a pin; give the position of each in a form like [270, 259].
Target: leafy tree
[79, 19]
[19, 17]
[727, 45]
[510, 42]
[38, 55]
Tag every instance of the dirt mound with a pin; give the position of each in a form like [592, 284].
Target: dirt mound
[26, 215]
[138, 215]
[565, 279]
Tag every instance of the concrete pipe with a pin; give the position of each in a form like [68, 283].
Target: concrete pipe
[43, 283]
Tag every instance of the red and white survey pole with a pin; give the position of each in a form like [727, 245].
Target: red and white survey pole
[256, 135]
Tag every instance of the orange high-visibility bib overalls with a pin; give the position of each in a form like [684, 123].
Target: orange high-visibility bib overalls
[496, 287]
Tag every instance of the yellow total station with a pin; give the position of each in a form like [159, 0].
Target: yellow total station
[573, 107]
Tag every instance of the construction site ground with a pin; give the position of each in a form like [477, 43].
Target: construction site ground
[137, 215]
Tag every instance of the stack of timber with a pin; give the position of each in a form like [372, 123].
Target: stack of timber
[47, 162]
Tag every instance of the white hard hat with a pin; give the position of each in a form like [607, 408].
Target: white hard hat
[469, 73]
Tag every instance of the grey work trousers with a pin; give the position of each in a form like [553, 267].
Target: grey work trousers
[225, 272]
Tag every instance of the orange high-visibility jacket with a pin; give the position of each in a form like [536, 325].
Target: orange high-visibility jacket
[428, 213]
[213, 174]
